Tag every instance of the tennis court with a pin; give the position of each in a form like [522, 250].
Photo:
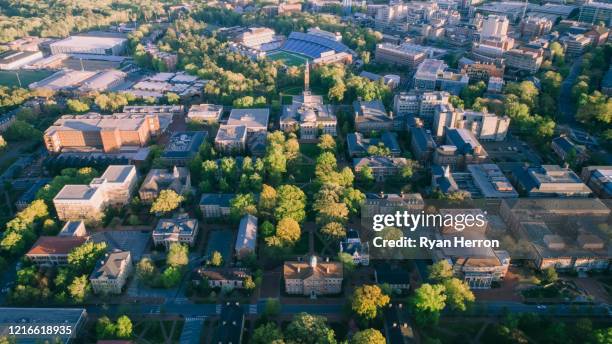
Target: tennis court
[287, 58]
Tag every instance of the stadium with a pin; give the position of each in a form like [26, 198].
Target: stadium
[300, 46]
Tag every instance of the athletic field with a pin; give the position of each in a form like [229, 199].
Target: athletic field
[289, 59]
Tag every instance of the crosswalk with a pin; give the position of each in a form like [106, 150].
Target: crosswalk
[253, 309]
[195, 318]
[181, 300]
[155, 310]
[218, 309]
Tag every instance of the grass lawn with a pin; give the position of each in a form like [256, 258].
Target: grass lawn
[309, 149]
[287, 58]
[8, 78]
[154, 332]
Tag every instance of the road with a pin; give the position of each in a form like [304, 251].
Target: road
[565, 103]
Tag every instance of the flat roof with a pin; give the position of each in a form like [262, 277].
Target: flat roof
[251, 118]
[12, 56]
[90, 42]
[75, 192]
[118, 173]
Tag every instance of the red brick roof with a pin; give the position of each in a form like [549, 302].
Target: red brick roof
[55, 245]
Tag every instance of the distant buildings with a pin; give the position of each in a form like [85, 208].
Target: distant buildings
[87, 202]
[381, 166]
[485, 126]
[111, 273]
[407, 55]
[308, 114]
[53, 250]
[434, 75]
[182, 230]
[599, 179]
[182, 147]
[177, 179]
[86, 44]
[371, 116]
[313, 278]
[246, 241]
[550, 181]
[205, 113]
[11, 60]
[215, 205]
[96, 132]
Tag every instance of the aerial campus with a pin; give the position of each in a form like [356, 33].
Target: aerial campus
[306, 172]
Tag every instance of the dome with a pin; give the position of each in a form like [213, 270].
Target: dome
[309, 116]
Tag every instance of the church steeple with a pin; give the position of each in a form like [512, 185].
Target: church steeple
[307, 77]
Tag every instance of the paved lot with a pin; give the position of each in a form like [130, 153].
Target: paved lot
[221, 241]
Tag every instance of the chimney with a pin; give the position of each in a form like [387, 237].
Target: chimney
[299, 269]
[327, 269]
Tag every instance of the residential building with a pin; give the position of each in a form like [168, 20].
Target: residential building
[358, 145]
[599, 179]
[111, 273]
[181, 229]
[382, 203]
[568, 151]
[484, 125]
[550, 181]
[381, 166]
[313, 278]
[53, 250]
[253, 119]
[524, 59]
[308, 114]
[215, 205]
[73, 229]
[371, 116]
[246, 241]
[231, 138]
[205, 113]
[178, 180]
[230, 326]
[87, 202]
[576, 44]
[461, 148]
[422, 144]
[353, 246]
[86, 44]
[434, 75]
[11, 60]
[407, 55]
[74, 318]
[224, 278]
[108, 133]
[182, 147]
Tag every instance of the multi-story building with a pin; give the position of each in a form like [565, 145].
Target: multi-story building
[599, 179]
[422, 144]
[205, 113]
[182, 230]
[246, 240]
[231, 138]
[524, 59]
[408, 55]
[308, 114]
[485, 126]
[215, 205]
[535, 26]
[73, 229]
[461, 148]
[253, 119]
[53, 250]
[111, 273]
[576, 44]
[382, 203]
[381, 166]
[480, 71]
[224, 278]
[371, 116]
[480, 181]
[568, 151]
[178, 180]
[494, 40]
[594, 12]
[89, 44]
[96, 132]
[358, 145]
[495, 84]
[182, 147]
[550, 181]
[434, 75]
[422, 104]
[88, 202]
[313, 278]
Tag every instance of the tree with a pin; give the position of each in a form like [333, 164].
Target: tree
[145, 270]
[241, 205]
[79, 289]
[266, 334]
[458, 294]
[248, 283]
[550, 275]
[3, 143]
[105, 329]
[216, 259]
[603, 336]
[366, 175]
[428, 301]
[348, 263]
[171, 277]
[291, 203]
[334, 230]
[272, 308]
[267, 200]
[267, 229]
[167, 201]
[172, 98]
[440, 271]
[367, 300]
[124, 327]
[327, 143]
[178, 255]
[75, 105]
[82, 259]
[288, 231]
[369, 336]
[309, 329]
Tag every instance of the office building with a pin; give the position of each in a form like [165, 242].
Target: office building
[95, 132]
[594, 12]
[434, 75]
[524, 59]
[599, 179]
[231, 138]
[111, 272]
[181, 230]
[401, 55]
[209, 113]
[495, 84]
[313, 278]
[422, 104]
[96, 45]
[550, 181]
[485, 126]
[535, 26]
[371, 116]
[252, 119]
[460, 149]
[576, 44]
[422, 144]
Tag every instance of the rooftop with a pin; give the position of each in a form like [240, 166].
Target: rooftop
[76, 192]
[90, 42]
[184, 144]
[55, 245]
[222, 200]
[251, 118]
[231, 133]
[111, 266]
[118, 173]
